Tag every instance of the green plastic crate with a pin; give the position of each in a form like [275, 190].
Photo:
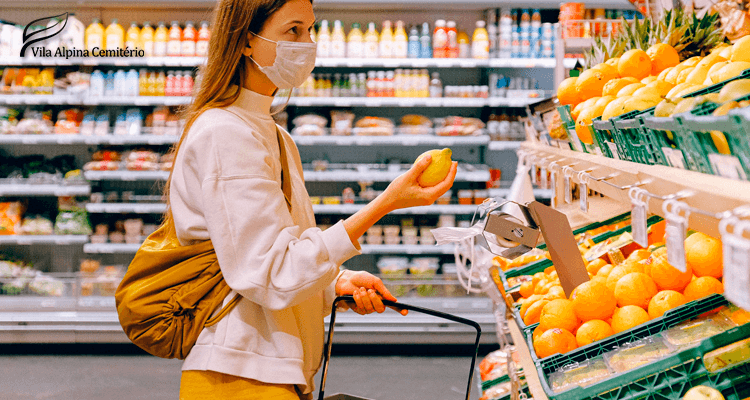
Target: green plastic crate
[604, 136]
[628, 137]
[669, 378]
[668, 130]
[660, 145]
[565, 116]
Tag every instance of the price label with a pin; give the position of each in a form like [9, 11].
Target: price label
[737, 266]
[613, 150]
[727, 166]
[674, 157]
[555, 188]
[534, 176]
[544, 178]
[567, 189]
[675, 235]
[638, 224]
[584, 196]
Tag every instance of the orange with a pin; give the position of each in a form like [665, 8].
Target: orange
[665, 301]
[592, 300]
[628, 317]
[559, 314]
[740, 316]
[662, 57]
[638, 255]
[609, 71]
[576, 112]
[554, 341]
[593, 331]
[528, 303]
[605, 271]
[595, 265]
[613, 61]
[567, 92]
[527, 289]
[665, 275]
[702, 287]
[635, 63]
[635, 289]
[549, 285]
[619, 271]
[614, 86]
[539, 286]
[556, 292]
[584, 121]
[549, 270]
[534, 312]
[590, 83]
[704, 255]
[537, 332]
[537, 277]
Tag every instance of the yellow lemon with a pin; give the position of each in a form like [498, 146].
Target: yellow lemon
[741, 49]
[647, 91]
[697, 76]
[641, 103]
[438, 169]
[628, 90]
[663, 74]
[612, 87]
[692, 61]
[682, 76]
[614, 108]
[715, 69]
[671, 77]
[662, 87]
[730, 70]
[734, 90]
[648, 79]
[710, 60]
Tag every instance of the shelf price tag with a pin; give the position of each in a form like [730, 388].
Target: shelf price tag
[727, 166]
[583, 189]
[638, 216]
[674, 157]
[568, 192]
[555, 188]
[675, 233]
[736, 249]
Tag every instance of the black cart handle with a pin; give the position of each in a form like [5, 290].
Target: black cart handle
[402, 306]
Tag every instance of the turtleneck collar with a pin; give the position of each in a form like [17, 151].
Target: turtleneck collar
[253, 102]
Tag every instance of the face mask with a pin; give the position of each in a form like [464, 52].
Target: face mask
[293, 64]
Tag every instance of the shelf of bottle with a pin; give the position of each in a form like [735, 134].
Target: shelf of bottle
[43, 239]
[89, 140]
[25, 189]
[131, 248]
[126, 208]
[65, 99]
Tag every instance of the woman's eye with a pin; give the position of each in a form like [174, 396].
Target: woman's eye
[294, 30]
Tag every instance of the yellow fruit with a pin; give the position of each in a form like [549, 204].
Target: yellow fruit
[602, 102]
[630, 89]
[613, 61]
[741, 50]
[593, 331]
[556, 292]
[619, 271]
[671, 77]
[688, 90]
[682, 76]
[724, 109]
[614, 86]
[595, 265]
[582, 106]
[534, 312]
[635, 63]
[593, 300]
[702, 392]
[709, 60]
[664, 109]
[730, 70]
[720, 141]
[692, 61]
[734, 90]
[526, 289]
[684, 105]
[438, 169]
[719, 47]
[663, 74]
[714, 69]
[704, 254]
[559, 314]
[662, 87]
[528, 303]
[614, 108]
[702, 287]
[605, 271]
[567, 92]
[590, 83]
[647, 91]
[662, 57]
[648, 79]
[628, 317]
[665, 301]
[635, 289]
[641, 102]
[676, 89]
[638, 255]
[697, 75]
[610, 72]
[726, 52]
[554, 341]
[537, 277]
[665, 275]
[583, 123]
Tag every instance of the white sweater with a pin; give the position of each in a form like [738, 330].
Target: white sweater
[226, 187]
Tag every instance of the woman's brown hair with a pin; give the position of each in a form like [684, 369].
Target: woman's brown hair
[226, 68]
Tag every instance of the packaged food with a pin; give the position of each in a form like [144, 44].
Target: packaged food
[142, 165]
[315, 200]
[375, 230]
[142, 155]
[425, 268]
[446, 220]
[116, 237]
[332, 200]
[728, 356]
[465, 197]
[106, 155]
[89, 266]
[585, 373]
[394, 268]
[133, 226]
[499, 390]
[374, 239]
[101, 166]
[409, 235]
[133, 239]
[493, 366]
[310, 119]
[36, 225]
[392, 240]
[415, 125]
[10, 217]
[480, 196]
[98, 239]
[736, 314]
[108, 280]
[308, 130]
[691, 333]
[633, 355]
[425, 235]
[348, 196]
[72, 222]
[391, 230]
[374, 126]
[445, 198]
[149, 229]
[45, 285]
[458, 126]
[341, 123]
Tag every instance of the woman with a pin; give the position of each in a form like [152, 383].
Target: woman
[237, 180]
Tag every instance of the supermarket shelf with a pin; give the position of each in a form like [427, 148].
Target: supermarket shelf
[348, 209]
[44, 190]
[385, 102]
[383, 176]
[43, 239]
[126, 175]
[111, 248]
[89, 140]
[570, 63]
[395, 140]
[126, 208]
[503, 145]
[62, 99]
[578, 45]
[131, 248]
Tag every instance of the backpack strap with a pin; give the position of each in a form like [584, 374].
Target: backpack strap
[286, 178]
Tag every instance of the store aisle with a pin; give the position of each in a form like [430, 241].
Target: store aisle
[150, 378]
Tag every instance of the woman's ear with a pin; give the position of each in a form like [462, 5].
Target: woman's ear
[248, 50]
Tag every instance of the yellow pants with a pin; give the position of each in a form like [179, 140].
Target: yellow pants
[210, 385]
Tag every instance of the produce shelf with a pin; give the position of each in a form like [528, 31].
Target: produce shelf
[43, 239]
[131, 248]
[395, 140]
[88, 140]
[126, 208]
[383, 176]
[503, 145]
[23, 189]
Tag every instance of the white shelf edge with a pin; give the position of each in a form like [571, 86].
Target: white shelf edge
[44, 239]
[383, 176]
[456, 209]
[126, 208]
[126, 175]
[504, 145]
[44, 190]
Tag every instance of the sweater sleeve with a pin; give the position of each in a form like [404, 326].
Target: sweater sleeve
[263, 255]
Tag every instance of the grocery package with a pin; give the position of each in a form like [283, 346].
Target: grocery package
[425, 268]
[36, 225]
[582, 374]
[728, 356]
[415, 125]
[633, 355]
[691, 333]
[309, 125]
[394, 268]
[458, 126]
[19, 278]
[374, 126]
[10, 217]
[341, 123]
[72, 218]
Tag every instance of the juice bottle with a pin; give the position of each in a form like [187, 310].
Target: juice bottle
[142, 83]
[338, 40]
[371, 41]
[133, 37]
[324, 40]
[413, 47]
[400, 41]
[440, 40]
[151, 84]
[160, 40]
[72, 36]
[169, 84]
[189, 36]
[354, 45]
[204, 35]
[174, 43]
[386, 41]
[464, 45]
[161, 81]
[452, 49]
[480, 47]
[115, 36]
[425, 42]
[187, 83]
[95, 36]
[147, 39]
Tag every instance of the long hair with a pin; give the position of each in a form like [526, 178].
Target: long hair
[225, 70]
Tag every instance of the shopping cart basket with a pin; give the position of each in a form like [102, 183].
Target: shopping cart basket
[387, 303]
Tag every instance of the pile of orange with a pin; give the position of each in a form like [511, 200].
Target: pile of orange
[618, 298]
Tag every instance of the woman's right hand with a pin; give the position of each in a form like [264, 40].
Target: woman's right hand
[406, 192]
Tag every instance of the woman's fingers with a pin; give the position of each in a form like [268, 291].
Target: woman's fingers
[419, 167]
[366, 301]
[380, 287]
[359, 302]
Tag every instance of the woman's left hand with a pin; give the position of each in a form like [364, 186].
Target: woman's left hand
[368, 291]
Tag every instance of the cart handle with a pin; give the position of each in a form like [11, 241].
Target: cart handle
[388, 303]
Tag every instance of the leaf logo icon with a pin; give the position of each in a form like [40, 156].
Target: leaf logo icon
[30, 38]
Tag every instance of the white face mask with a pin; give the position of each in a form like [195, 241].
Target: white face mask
[293, 64]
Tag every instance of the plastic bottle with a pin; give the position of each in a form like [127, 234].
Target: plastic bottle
[324, 40]
[174, 43]
[354, 45]
[131, 85]
[161, 36]
[480, 42]
[371, 41]
[436, 85]
[142, 83]
[440, 40]
[161, 81]
[109, 84]
[6, 40]
[386, 41]
[73, 34]
[338, 40]
[400, 41]
[494, 38]
[151, 84]
[132, 37]
[425, 42]
[115, 36]
[204, 36]
[464, 45]
[424, 83]
[187, 83]
[96, 84]
[189, 36]
[413, 48]
[95, 36]
[452, 49]
[147, 39]
[169, 89]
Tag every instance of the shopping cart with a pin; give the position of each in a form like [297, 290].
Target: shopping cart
[329, 344]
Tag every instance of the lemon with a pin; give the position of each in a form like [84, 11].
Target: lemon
[602, 103]
[662, 87]
[726, 52]
[710, 60]
[612, 87]
[734, 90]
[438, 169]
[664, 108]
[676, 89]
[692, 61]
[684, 105]
[725, 108]
[741, 49]
[663, 74]
[648, 79]
[671, 77]
[730, 70]
[688, 89]
[697, 76]
[715, 69]
[720, 141]
[647, 91]
[628, 90]
[641, 103]
[614, 108]
[682, 76]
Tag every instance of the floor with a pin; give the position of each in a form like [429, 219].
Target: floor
[139, 377]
